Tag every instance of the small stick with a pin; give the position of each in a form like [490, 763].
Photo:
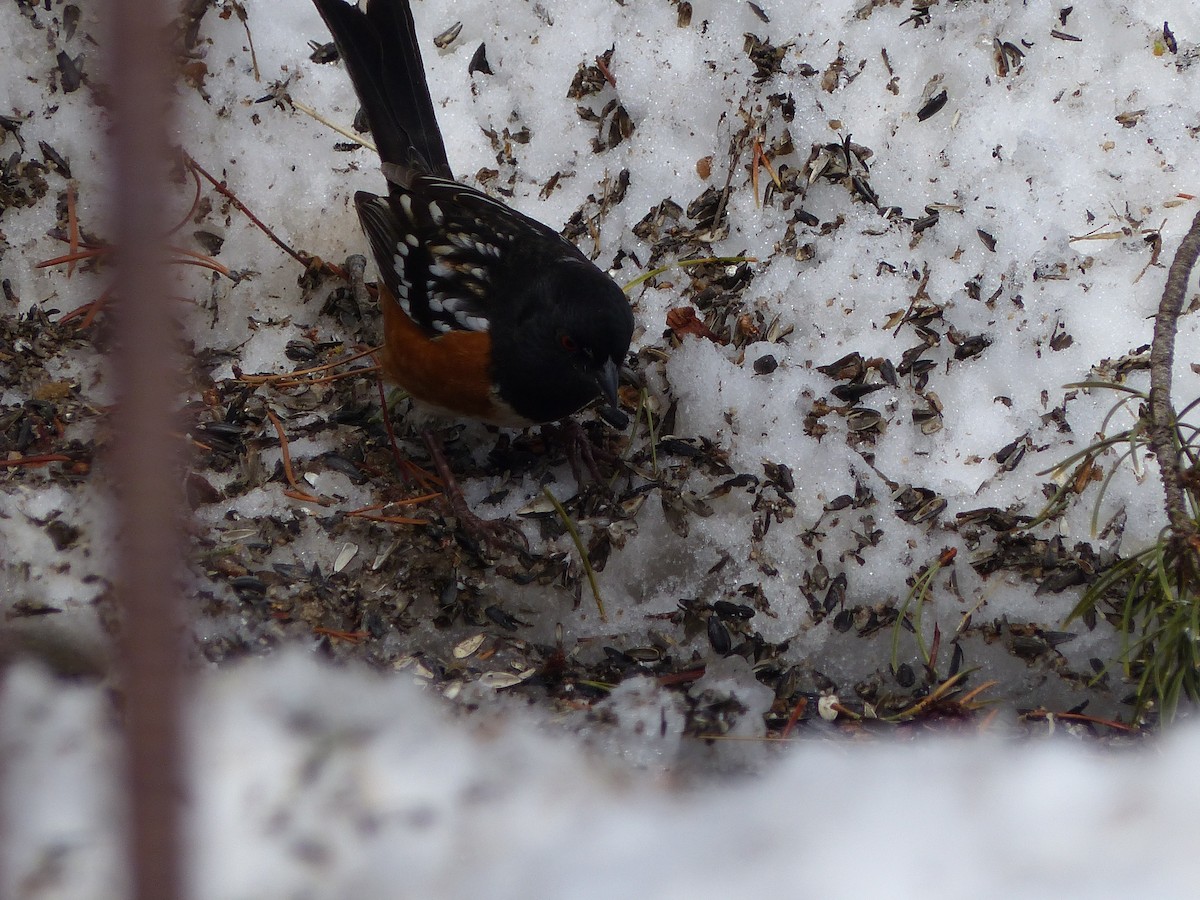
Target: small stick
[587, 563]
[278, 377]
[344, 132]
[297, 493]
[40, 460]
[72, 227]
[301, 258]
[1162, 356]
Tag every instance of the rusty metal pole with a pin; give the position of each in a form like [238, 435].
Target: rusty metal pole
[144, 458]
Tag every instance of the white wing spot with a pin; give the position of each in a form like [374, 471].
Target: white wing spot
[401, 252]
[411, 240]
[401, 296]
[479, 272]
[475, 323]
[406, 205]
[435, 213]
[440, 270]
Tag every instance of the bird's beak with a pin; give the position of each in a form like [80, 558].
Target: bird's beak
[607, 379]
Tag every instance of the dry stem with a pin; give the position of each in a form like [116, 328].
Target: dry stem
[1162, 355]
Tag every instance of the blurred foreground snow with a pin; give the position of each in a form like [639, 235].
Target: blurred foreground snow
[309, 781]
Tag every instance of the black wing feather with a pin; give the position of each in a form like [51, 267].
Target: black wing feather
[379, 47]
[436, 265]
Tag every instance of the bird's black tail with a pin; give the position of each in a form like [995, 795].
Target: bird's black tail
[379, 47]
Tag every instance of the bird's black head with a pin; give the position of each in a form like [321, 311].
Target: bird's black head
[566, 344]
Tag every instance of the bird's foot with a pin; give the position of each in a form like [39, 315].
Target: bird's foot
[583, 452]
[498, 535]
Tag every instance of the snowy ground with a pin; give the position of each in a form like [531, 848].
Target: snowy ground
[754, 564]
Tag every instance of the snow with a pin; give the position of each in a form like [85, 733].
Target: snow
[314, 779]
[319, 782]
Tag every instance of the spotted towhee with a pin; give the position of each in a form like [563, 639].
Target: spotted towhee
[487, 313]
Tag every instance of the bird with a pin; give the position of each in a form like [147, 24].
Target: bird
[487, 313]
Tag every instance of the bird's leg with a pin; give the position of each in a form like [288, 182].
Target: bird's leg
[582, 451]
[498, 534]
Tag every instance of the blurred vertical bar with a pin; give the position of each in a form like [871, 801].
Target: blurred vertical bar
[144, 457]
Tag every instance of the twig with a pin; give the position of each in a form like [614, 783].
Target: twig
[939, 693]
[89, 311]
[240, 11]
[1080, 717]
[74, 256]
[736, 146]
[587, 563]
[344, 132]
[356, 268]
[301, 258]
[408, 469]
[40, 460]
[195, 202]
[300, 376]
[72, 227]
[1162, 355]
[350, 637]
[683, 263]
[794, 717]
[369, 512]
[297, 492]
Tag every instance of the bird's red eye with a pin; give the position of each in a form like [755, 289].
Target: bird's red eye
[568, 343]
